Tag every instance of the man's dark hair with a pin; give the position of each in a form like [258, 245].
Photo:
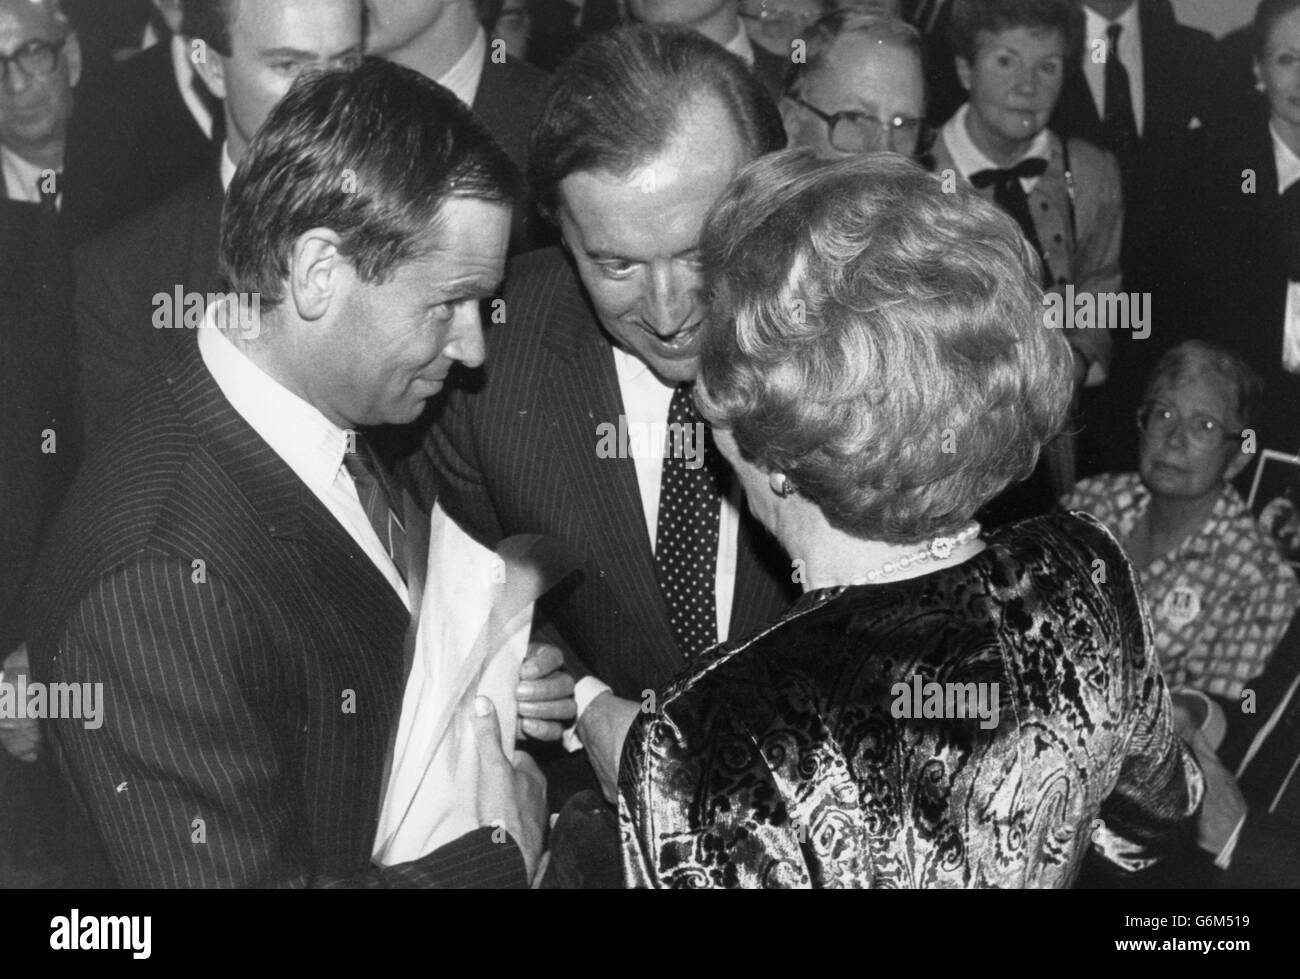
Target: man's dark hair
[209, 21]
[971, 17]
[618, 102]
[372, 154]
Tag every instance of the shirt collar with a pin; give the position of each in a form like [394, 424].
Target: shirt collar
[1096, 24]
[741, 47]
[305, 439]
[463, 77]
[629, 366]
[1288, 164]
[970, 159]
[22, 176]
[227, 167]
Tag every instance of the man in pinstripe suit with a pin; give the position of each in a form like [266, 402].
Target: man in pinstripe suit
[605, 340]
[232, 567]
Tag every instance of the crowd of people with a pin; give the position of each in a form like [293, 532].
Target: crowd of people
[986, 314]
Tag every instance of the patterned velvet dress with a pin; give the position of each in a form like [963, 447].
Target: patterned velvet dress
[789, 759]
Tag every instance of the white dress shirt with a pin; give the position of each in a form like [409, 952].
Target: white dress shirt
[22, 178]
[184, 70]
[464, 76]
[970, 159]
[1288, 173]
[309, 443]
[1130, 54]
[645, 404]
[741, 47]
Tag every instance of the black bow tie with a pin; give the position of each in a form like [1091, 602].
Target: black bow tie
[1034, 166]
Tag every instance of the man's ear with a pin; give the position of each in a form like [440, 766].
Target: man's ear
[72, 51]
[317, 273]
[209, 65]
[963, 71]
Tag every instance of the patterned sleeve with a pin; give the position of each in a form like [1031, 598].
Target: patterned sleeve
[703, 811]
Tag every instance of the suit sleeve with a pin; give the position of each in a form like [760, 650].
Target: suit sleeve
[185, 777]
[106, 337]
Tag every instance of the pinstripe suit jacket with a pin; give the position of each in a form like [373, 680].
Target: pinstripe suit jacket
[518, 455]
[250, 653]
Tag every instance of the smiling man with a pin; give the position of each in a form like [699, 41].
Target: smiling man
[607, 332]
[233, 566]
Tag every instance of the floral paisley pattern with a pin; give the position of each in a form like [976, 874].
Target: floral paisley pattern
[777, 761]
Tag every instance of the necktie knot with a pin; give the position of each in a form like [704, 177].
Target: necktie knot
[1113, 32]
[1027, 169]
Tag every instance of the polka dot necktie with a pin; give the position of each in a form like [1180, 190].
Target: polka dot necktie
[686, 541]
[378, 499]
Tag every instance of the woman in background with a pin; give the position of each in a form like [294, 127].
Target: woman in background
[1012, 58]
[876, 369]
[1220, 595]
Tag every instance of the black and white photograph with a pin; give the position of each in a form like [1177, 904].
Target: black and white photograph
[650, 444]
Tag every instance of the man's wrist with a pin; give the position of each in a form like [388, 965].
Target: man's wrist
[584, 692]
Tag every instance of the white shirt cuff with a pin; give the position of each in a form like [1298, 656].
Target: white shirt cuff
[584, 692]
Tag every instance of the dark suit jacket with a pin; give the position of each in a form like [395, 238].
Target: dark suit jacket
[131, 142]
[1228, 277]
[225, 682]
[119, 273]
[38, 395]
[771, 70]
[519, 456]
[509, 102]
[1185, 106]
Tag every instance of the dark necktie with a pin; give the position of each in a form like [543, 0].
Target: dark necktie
[1009, 195]
[1119, 127]
[49, 191]
[686, 540]
[1291, 225]
[379, 499]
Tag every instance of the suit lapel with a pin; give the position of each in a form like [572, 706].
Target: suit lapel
[608, 498]
[289, 511]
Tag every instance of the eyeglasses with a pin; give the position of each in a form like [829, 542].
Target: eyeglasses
[36, 58]
[1204, 432]
[861, 132]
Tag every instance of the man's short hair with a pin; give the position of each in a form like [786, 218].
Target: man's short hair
[372, 154]
[209, 21]
[970, 18]
[1199, 358]
[878, 340]
[821, 37]
[619, 101]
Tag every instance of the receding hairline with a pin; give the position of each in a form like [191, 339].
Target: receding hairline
[52, 11]
[697, 107]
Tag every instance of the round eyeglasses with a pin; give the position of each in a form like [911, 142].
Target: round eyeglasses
[1202, 431]
[36, 59]
[860, 132]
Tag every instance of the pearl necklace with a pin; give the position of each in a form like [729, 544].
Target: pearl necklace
[939, 549]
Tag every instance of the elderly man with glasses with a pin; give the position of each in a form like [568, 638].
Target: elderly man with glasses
[861, 88]
[40, 62]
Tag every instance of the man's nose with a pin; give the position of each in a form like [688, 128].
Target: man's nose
[467, 344]
[670, 301]
[1027, 82]
[16, 80]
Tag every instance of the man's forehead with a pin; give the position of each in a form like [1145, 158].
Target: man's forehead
[28, 20]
